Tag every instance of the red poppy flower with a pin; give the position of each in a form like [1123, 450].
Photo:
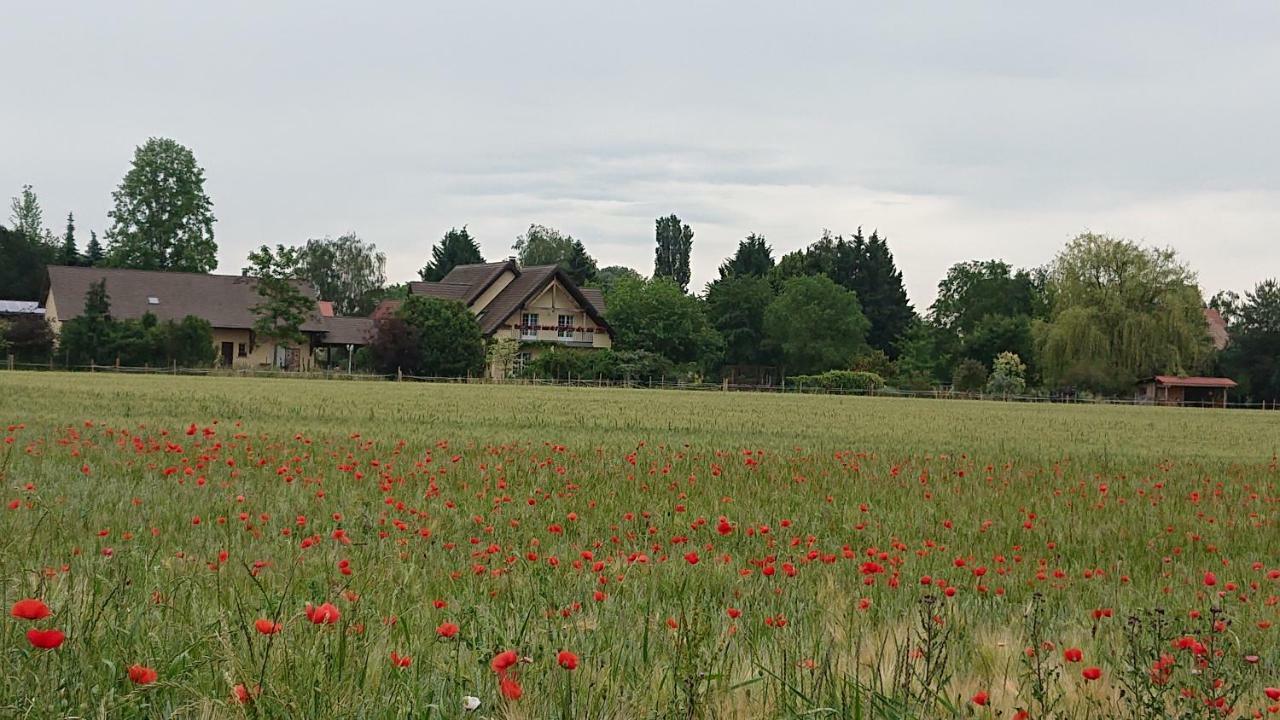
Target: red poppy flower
[1210, 579]
[511, 689]
[504, 660]
[267, 627]
[243, 696]
[400, 660]
[324, 614]
[45, 639]
[30, 609]
[1091, 673]
[1273, 693]
[567, 660]
[1072, 655]
[979, 698]
[734, 613]
[142, 675]
[447, 630]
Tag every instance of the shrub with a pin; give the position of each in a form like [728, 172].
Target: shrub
[840, 381]
[970, 376]
[1008, 375]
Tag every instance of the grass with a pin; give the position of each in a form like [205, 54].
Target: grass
[160, 517]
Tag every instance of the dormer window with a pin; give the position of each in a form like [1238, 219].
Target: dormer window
[153, 300]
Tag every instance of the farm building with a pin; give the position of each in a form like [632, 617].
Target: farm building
[539, 306]
[1175, 390]
[225, 301]
[1217, 328]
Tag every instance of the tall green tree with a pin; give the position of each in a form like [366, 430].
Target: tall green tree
[671, 257]
[975, 289]
[754, 257]
[657, 316]
[865, 266]
[542, 245]
[27, 218]
[736, 307]
[581, 267]
[815, 325]
[69, 254]
[1120, 312]
[457, 247]
[347, 271]
[284, 307]
[162, 219]
[93, 254]
[1253, 357]
[877, 282]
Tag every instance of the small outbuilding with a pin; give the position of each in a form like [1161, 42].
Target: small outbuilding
[1189, 390]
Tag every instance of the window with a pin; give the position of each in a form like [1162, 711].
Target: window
[529, 326]
[153, 300]
[564, 328]
[242, 351]
[522, 359]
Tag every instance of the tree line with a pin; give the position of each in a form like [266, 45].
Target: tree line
[1102, 314]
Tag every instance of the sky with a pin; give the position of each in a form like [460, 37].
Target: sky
[959, 130]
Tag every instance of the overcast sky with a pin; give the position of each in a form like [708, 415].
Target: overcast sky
[960, 130]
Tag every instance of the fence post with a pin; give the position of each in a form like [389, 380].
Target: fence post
[399, 375]
[11, 361]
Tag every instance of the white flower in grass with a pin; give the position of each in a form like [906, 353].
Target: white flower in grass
[470, 702]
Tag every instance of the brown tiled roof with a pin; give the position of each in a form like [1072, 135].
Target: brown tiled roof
[347, 330]
[478, 277]
[223, 300]
[516, 293]
[442, 290]
[467, 282]
[531, 281]
[595, 296]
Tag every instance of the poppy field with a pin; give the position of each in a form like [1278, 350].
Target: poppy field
[223, 547]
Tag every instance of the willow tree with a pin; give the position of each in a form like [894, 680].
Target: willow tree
[1120, 312]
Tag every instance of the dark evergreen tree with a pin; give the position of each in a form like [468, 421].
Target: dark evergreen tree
[93, 253]
[754, 257]
[70, 255]
[457, 247]
[878, 284]
[671, 258]
[581, 266]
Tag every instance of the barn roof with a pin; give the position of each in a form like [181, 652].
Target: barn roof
[1193, 381]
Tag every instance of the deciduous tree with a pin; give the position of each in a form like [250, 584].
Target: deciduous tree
[347, 271]
[815, 325]
[284, 307]
[162, 219]
[1120, 312]
[675, 243]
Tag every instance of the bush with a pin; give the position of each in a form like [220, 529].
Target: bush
[431, 337]
[29, 338]
[970, 376]
[840, 381]
[566, 363]
[1008, 376]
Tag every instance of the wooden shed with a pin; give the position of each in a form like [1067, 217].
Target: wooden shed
[1190, 390]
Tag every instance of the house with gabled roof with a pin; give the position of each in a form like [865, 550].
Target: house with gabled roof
[226, 302]
[538, 306]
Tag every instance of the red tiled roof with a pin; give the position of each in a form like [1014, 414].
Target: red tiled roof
[1192, 381]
